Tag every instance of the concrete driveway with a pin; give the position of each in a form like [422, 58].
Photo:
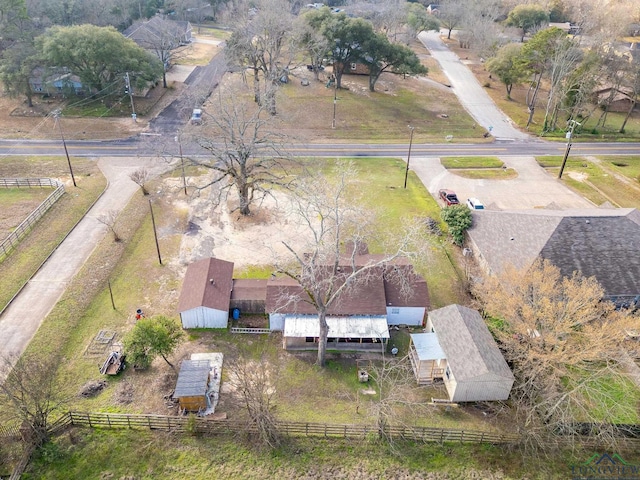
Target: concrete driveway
[469, 92]
[533, 188]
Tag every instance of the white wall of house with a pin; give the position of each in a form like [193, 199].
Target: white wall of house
[276, 322]
[203, 317]
[405, 315]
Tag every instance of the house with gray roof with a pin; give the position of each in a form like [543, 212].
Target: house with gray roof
[459, 349]
[600, 242]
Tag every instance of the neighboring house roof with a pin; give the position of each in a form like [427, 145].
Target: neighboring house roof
[603, 243]
[146, 33]
[192, 379]
[467, 343]
[207, 283]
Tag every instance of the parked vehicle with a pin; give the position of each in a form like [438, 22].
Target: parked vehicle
[449, 197]
[196, 117]
[475, 204]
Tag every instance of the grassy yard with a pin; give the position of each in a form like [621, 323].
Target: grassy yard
[597, 181]
[99, 454]
[34, 249]
[471, 162]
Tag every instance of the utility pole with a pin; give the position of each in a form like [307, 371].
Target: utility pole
[155, 233]
[406, 172]
[572, 126]
[127, 89]
[64, 144]
[184, 178]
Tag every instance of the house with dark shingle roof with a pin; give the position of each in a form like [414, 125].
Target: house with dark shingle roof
[206, 294]
[463, 354]
[603, 243]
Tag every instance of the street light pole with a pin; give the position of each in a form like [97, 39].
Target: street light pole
[572, 127]
[406, 172]
[66, 152]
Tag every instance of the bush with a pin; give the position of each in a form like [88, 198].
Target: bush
[458, 219]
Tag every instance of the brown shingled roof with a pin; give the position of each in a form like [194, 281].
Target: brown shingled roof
[198, 289]
[362, 299]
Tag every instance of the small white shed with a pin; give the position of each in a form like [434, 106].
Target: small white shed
[475, 369]
[206, 294]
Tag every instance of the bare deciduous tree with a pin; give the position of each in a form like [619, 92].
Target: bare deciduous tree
[141, 177]
[564, 344]
[109, 219]
[400, 399]
[332, 217]
[264, 43]
[245, 155]
[30, 395]
[253, 381]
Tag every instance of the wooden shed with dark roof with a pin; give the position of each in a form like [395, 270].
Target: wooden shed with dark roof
[474, 370]
[206, 293]
[192, 385]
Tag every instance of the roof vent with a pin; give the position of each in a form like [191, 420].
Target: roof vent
[588, 221]
[511, 238]
[211, 281]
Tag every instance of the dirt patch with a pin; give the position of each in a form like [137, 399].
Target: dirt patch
[13, 212]
[92, 388]
[256, 239]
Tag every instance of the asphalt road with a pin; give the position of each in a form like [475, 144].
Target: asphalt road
[147, 145]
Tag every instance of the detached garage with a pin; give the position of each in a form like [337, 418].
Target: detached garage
[206, 294]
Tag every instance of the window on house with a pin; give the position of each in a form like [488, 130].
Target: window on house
[448, 373]
[395, 311]
[354, 65]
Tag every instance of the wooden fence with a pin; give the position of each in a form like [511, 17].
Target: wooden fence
[212, 427]
[249, 330]
[14, 237]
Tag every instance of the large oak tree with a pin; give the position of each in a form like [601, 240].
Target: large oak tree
[98, 55]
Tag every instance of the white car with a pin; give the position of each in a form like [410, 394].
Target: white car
[196, 117]
[475, 204]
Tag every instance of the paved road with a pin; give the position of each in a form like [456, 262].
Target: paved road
[147, 146]
[470, 93]
[200, 83]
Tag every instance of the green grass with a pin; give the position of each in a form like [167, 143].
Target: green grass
[595, 183]
[487, 173]
[471, 162]
[15, 196]
[97, 454]
[629, 166]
